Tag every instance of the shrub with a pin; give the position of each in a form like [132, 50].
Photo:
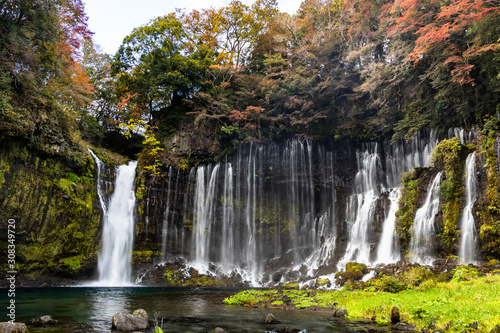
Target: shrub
[416, 275]
[392, 285]
[464, 273]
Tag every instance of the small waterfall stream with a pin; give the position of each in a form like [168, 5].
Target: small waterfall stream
[466, 252]
[423, 230]
[388, 252]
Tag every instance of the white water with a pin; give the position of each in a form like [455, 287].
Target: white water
[100, 167]
[360, 207]
[118, 231]
[204, 205]
[166, 217]
[388, 250]
[466, 252]
[423, 230]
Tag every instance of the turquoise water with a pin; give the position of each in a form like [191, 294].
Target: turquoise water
[86, 309]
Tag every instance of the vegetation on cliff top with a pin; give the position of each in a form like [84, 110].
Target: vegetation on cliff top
[351, 68]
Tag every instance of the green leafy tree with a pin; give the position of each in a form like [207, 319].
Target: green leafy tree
[155, 70]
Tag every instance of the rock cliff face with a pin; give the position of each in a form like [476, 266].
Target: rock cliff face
[54, 203]
[284, 211]
[267, 213]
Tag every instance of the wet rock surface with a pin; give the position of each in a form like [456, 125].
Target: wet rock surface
[129, 322]
[8, 327]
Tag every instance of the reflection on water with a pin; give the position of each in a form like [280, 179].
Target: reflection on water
[86, 309]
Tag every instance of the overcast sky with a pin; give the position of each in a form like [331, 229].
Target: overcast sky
[112, 20]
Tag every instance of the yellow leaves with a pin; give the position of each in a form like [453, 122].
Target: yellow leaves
[151, 144]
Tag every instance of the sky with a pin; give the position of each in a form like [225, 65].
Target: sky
[112, 20]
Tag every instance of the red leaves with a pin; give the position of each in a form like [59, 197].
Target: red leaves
[435, 25]
[236, 116]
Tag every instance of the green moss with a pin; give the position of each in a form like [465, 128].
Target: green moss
[72, 263]
[143, 256]
[353, 272]
[291, 285]
[489, 215]
[464, 273]
[407, 208]
[459, 301]
[52, 200]
[449, 155]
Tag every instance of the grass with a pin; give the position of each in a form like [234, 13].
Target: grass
[461, 301]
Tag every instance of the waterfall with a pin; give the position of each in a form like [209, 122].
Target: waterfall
[167, 215]
[466, 252]
[100, 167]
[423, 230]
[360, 206]
[118, 230]
[204, 206]
[400, 157]
[269, 212]
[227, 241]
[387, 252]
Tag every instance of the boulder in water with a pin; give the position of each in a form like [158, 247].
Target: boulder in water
[8, 327]
[218, 330]
[44, 320]
[342, 312]
[269, 319]
[129, 322]
[144, 314]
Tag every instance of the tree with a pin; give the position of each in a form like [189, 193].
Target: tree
[156, 70]
[42, 80]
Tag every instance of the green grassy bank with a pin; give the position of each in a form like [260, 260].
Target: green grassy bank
[455, 304]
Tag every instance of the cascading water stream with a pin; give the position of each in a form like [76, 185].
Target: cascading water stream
[118, 230]
[387, 252]
[466, 252]
[423, 230]
[118, 227]
[360, 207]
[100, 167]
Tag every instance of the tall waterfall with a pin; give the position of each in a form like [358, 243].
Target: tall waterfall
[360, 207]
[118, 227]
[467, 241]
[423, 230]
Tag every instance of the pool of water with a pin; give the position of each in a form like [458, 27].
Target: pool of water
[90, 309]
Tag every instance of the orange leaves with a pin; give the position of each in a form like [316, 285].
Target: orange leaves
[461, 74]
[251, 113]
[475, 50]
[236, 116]
[436, 25]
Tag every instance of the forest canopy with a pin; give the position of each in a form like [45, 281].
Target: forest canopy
[352, 68]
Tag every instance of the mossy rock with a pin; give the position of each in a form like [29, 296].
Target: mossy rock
[353, 272]
[291, 285]
[322, 283]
